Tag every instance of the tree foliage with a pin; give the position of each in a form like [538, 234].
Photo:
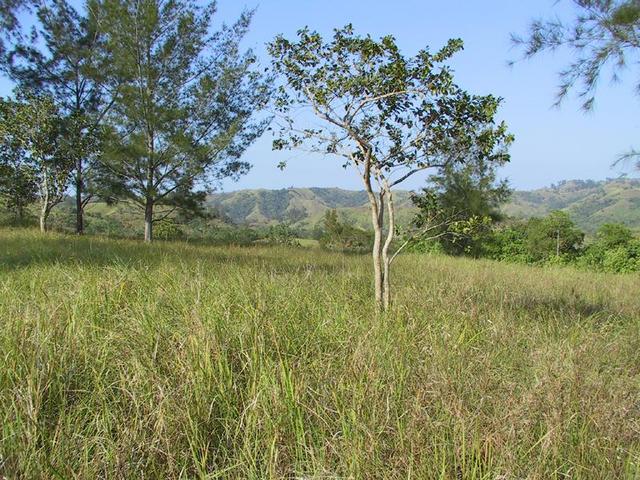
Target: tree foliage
[34, 133]
[65, 58]
[339, 235]
[603, 33]
[387, 115]
[184, 111]
[459, 206]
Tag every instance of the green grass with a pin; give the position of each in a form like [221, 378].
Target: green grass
[125, 360]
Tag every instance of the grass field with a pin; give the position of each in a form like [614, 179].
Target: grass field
[121, 360]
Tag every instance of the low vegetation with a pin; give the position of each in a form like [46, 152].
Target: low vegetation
[126, 360]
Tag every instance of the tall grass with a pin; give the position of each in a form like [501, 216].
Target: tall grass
[124, 360]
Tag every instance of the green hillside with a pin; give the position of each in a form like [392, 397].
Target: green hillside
[301, 207]
[589, 203]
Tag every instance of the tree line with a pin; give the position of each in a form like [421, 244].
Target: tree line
[136, 101]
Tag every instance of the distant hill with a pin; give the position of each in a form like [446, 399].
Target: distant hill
[590, 204]
[301, 207]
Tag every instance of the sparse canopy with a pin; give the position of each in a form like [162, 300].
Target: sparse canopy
[603, 32]
[387, 115]
[184, 112]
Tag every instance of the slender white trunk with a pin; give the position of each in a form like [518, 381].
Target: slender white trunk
[44, 201]
[377, 220]
[148, 208]
[386, 259]
[79, 204]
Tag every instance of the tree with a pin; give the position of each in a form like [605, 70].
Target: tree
[614, 250]
[184, 112]
[18, 188]
[342, 236]
[33, 129]
[611, 235]
[387, 115]
[66, 59]
[604, 33]
[9, 22]
[554, 235]
[461, 203]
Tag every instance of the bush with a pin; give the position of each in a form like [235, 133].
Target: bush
[343, 237]
[282, 234]
[167, 229]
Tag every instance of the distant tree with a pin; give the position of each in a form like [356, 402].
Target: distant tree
[282, 234]
[65, 57]
[612, 235]
[508, 242]
[18, 187]
[614, 250]
[464, 200]
[603, 34]
[184, 112]
[337, 235]
[554, 235]
[388, 116]
[32, 127]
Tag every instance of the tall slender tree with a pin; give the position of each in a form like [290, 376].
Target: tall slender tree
[387, 115]
[187, 107]
[66, 59]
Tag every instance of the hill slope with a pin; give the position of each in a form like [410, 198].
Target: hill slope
[589, 203]
[302, 207]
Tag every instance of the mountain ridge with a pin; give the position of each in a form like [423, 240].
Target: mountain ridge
[590, 203]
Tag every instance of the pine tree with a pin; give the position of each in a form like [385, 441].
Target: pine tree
[185, 109]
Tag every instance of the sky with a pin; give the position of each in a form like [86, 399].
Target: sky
[552, 144]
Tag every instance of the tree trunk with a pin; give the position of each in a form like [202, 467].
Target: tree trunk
[148, 220]
[43, 221]
[377, 220]
[386, 260]
[44, 201]
[378, 274]
[79, 204]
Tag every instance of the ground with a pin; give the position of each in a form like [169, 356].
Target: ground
[125, 360]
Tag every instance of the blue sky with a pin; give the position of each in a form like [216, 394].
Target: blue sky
[551, 144]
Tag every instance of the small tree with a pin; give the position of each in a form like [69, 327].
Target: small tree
[553, 236]
[18, 188]
[33, 128]
[460, 204]
[339, 235]
[387, 115]
[184, 112]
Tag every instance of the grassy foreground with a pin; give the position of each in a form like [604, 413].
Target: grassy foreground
[123, 360]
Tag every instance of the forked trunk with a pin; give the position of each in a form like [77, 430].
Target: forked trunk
[377, 220]
[378, 273]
